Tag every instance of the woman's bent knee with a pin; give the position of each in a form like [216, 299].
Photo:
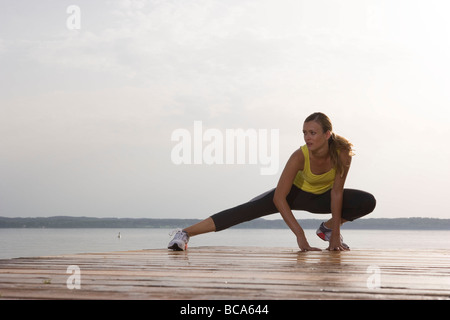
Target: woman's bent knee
[370, 203]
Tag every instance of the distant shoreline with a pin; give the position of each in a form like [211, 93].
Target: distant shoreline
[91, 222]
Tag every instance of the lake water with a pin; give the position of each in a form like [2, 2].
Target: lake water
[39, 242]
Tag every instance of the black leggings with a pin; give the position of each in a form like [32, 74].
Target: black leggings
[355, 204]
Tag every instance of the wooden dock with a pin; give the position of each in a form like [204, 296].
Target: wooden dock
[231, 273]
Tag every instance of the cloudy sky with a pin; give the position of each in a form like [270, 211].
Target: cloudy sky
[89, 101]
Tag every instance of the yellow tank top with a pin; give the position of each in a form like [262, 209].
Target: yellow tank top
[313, 183]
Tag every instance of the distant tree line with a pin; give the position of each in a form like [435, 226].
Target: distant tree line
[90, 222]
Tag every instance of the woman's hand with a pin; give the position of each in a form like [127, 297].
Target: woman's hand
[304, 245]
[335, 244]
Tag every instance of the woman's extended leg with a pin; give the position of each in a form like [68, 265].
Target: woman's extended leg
[204, 226]
[257, 207]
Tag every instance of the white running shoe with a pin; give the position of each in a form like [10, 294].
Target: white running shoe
[179, 241]
[325, 234]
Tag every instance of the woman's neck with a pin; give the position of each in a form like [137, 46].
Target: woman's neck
[321, 153]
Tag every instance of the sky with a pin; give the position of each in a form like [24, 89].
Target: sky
[92, 99]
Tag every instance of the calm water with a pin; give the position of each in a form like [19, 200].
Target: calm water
[38, 242]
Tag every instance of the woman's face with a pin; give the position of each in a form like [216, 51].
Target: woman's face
[314, 136]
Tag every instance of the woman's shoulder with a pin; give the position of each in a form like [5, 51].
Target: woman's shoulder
[303, 150]
[298, 156]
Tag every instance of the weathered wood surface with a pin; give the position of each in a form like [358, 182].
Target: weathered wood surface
[232, 273]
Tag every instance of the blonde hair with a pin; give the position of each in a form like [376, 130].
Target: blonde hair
[336, 143]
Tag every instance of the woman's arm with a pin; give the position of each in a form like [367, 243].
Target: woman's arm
[337, 194]
[294, 164]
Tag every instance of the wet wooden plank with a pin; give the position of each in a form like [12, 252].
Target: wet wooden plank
[232, 273]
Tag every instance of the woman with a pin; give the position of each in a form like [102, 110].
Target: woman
[312, 180]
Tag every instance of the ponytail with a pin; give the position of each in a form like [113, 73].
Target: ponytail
[337, 144]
